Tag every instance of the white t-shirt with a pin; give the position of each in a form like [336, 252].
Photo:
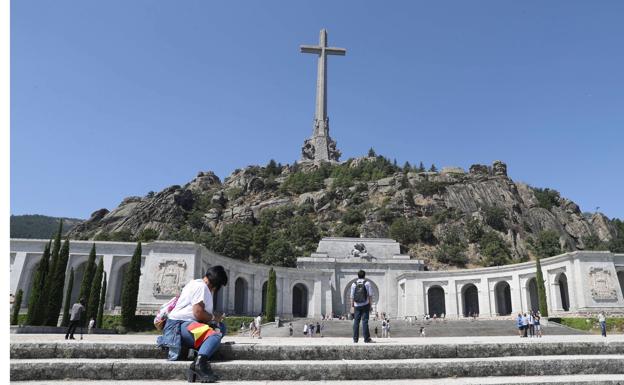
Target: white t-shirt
[369, 291]
[258, 321]
[194, 292]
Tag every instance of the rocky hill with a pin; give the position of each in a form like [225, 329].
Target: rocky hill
[275, 213]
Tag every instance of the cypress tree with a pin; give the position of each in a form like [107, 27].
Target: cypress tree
[94, 295]
[17, 304]
[541, 289]
[35, 313]
[131, 289]
[271, 302]
[87, 278]
[100, 313]
[68, 292]
[51, 276]
[55, 295]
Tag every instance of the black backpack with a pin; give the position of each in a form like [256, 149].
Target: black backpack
[360, 294]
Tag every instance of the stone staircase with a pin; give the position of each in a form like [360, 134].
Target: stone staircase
[402, 328]
[333, 359]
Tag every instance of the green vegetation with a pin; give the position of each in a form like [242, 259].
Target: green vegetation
[429, 188]
[39, 226]
[614, 325]
[87, 278]
[546, 197]
[410, 231]
[17, 304]
[453, 249]
[541, 289]
[68, 291]
[495, 217]
[280, 252]
[546, 244]
[147, 235]
[494, 250]
[100, 312]
[617, 244]
[55, 294]
[36, 308]
[474, 230]
[130, 288]
[271, 296]
[300, 182]
[353, 216]
[94, 294]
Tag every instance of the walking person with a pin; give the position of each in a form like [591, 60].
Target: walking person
[318, 329]
[305, 330]
[519, 324]
[361, 298]
[258, 322]
[193, 324]
[75, 317]
[602, 320]
[290, 329]
[311, 330]
[91, 326]
[384, 328]
[388, 328]
[537, 326]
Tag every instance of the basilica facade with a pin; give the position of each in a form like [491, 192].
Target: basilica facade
[576, 283]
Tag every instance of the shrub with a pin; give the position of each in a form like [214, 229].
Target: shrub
[148, 235]
[344, 230]
[411, 231]
[430, 188]
[353, 217]
[280, 252]
[494, 250]
[453, 249]
[474, 230]
[17, 304]
[495, 217]
[546, 244]
[546, 197]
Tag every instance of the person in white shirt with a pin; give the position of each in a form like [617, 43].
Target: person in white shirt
[193, 310]
[602, 320]
[258, 324]
[91, 326]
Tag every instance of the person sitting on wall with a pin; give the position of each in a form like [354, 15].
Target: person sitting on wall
[193, 323]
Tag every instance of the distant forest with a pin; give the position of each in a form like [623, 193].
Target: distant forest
[39, 226]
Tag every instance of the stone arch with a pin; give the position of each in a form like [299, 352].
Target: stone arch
[532, 296]
[26, 278]
[620, 277]
[502, 296]
[300, 300]
[470, 299]
[347, 295]
[436, 303]
[240, 296]
[563, 293]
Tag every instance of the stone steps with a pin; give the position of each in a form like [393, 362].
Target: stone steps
[438, 328]
[316, 352]
[577, 379]
[310, 370]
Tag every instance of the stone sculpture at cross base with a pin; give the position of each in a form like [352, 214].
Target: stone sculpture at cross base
[320, 146]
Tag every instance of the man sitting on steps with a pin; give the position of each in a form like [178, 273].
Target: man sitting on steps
[361, 299]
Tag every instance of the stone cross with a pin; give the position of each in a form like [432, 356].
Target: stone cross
[320, 146]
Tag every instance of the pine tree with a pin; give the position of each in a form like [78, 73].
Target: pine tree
[130, 289]
[541, 289]
[87, 278]
[407, 167]
[17, 304]
[100, 313]
[94, 295]
[68, 292]
[271, 302]
[421, 167]
[433, 168]
[35, 313]
[371, 153]
[55, 299]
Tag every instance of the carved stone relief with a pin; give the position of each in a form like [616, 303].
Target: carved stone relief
[601, 284]
[169, 279]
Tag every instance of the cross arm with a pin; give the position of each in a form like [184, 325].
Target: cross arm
[310, 49]
[335, 51]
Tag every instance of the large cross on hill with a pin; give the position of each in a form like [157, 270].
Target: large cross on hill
[320, 147]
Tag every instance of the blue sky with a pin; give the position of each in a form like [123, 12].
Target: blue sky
[116, 98]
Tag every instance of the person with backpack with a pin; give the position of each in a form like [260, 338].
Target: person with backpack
[193, 324]
[361, 299]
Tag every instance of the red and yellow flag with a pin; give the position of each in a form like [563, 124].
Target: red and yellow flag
[200, 332]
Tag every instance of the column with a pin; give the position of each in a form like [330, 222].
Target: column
[451, 309]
